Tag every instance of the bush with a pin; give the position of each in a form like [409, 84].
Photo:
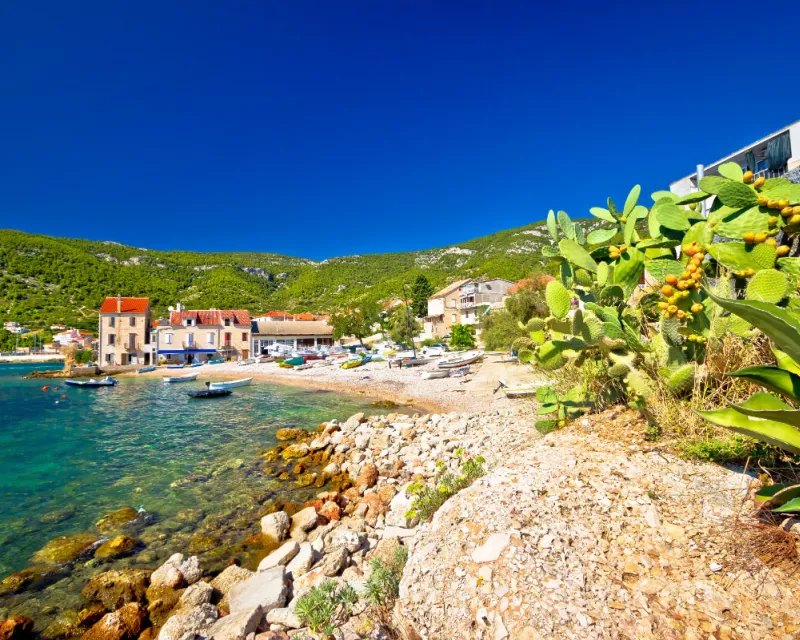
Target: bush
[82, 356]
[462, 337]
[325, 606]
[445, 485]
[383, 585]
[499, 329]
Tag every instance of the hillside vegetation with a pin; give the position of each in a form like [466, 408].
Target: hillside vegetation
[45, 279]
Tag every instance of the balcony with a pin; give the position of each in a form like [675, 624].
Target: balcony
[131, 346]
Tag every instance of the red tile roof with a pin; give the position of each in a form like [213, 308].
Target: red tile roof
[304, 316]
[209, 317]
[277, 314]
[128, 305]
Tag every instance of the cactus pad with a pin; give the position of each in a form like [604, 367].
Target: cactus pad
[558, 298]
[681, 379]
[768, 285]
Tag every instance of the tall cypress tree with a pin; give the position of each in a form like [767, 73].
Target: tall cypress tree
[420, 292]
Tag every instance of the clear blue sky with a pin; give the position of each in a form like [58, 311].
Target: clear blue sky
[335, 127]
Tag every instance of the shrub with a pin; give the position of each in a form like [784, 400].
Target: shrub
[383, 585]
[499, 329]
[325, 606]
[429, 497]
[462, 337]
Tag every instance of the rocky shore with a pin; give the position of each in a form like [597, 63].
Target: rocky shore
[589, 532]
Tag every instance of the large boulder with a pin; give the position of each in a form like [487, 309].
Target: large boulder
[236, 626]
[116, 519]
[275, 525]
[303, 520]
[302, 562]
[126, 623]
[267, 590]
[65, 549]
[281, 556]
[16, 628]
[117, 547]
[285, 616]
[199, 593]
[160, 603]
[187, 624]
[177, 571]
[299, 450]
[118, 587]
[229, 578]
[290, 434]
[399, 506]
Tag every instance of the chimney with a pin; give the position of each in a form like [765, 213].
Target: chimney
[119, 303]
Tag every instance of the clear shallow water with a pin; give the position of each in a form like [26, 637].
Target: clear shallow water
[65, 462]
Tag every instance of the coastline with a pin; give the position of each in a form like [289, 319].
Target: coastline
[376, 380]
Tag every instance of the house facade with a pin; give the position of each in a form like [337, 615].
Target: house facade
[776, 155]
[443, 311]
[477, 297]
[81, 339]
[199, 335]
[124, 331]
[300, 334]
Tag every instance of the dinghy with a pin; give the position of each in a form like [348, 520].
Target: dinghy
[105, 382]
[246, 361]
[195, 365]
[520, 391]
[210, 393]
[460, 360]
[431, 375]
[145, 369]
[230, 384]
[295, 361]
[175, 366]
[187, 378]
[216, 361]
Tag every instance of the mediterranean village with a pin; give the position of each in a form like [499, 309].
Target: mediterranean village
[601, 445]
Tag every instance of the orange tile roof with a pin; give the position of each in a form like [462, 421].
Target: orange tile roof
[448, 289]
[128, 305]
[209, 317]
[277, 314]
[530, 283]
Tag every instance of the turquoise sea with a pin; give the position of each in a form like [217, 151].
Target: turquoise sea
[68, 456]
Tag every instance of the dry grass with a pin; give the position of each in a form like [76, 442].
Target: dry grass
[752, 544]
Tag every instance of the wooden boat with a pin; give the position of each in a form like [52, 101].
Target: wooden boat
[301, 367]
[145, 369]
[295, 361]
[409, 362]
[352, 364]
[246, 361]
[265, 359]
[431, 375]
[210, 393]
[187, 378]
[520, 391]
[175, 366]
[230, 384]
[216, 361]
[461, 360]
[91, 383]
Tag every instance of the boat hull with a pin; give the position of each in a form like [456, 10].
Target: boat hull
[145, 369]
[89, 384]
[455, 363]
[233, 384]
[187, 378]
[209, 393]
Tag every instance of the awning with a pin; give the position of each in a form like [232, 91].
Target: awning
[165, 351]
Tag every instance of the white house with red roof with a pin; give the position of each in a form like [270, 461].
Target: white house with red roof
[81, 339]
[198, 335]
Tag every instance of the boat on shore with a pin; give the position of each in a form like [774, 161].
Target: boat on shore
[210, 393]
[187, 378]
[352, 364]
[175, 366]
[246, 361]
[216, 361]
[91, 383]
[265, 359]
[438, 373]
[460, 360]
[195, 365]
[520, 391]
[409, 362]
[230, 384]
[146, 369]
[297, 360]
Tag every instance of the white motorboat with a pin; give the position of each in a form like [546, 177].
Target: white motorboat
[438, 373]
[246, 361]
[230, 384]
[187, 378]
[461, 360]
[522, 390]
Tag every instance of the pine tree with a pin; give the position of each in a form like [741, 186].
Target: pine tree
[420, 292]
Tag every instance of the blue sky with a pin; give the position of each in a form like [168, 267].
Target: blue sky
[329, 128]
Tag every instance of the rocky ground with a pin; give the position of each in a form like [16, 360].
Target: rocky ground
[589, 532]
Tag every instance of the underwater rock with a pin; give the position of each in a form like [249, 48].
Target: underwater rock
[117, 587]
[65, 549]
[189, 623]
[306, 479]
[160, 603]
[116, 519]
[17, 582]
[115, 548]
[201, 543]
[16, 628]
[64, 626]
[295, 451]
[59, 515]
[91, 614]
[290, 434]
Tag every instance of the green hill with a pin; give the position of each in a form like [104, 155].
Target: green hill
[45, 280]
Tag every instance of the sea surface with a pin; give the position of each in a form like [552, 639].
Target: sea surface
[69, 455]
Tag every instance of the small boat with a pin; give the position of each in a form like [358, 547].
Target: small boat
[409, 362]
[520, 391]
[461, 360]
[301, 367]
[146, 369]
[175, 366]
[352, 364]
[194, 365]
[265, 359]
[246, 361]
[105, 382]
[210, 393]
[295, 361]
[231, 384]
[284, 365]
[431, 375]
[216, 361]
[187, 378]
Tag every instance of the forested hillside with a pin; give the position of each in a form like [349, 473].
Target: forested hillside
[45, 279]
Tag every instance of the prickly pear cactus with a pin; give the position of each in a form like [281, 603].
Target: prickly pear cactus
[559, 299]
[768, 285]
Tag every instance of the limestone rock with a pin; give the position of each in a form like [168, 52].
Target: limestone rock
[285, 616]
[492, 548]
[197, 594]
[189, 623]
[116, 519]
[236, 626]
[125, 623]
[399, 506]
[275, 525]
[267, 590]
[304, 520]
[229, 578]
[368, 476]
[335, 562]
[117, 547]
[65, 549]
[302, 561]
[331, 511]
[290, 434]
[299, 450]
[281, 556]
[117, 588]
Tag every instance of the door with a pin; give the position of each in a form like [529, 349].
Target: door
[147, 358]
[245, 353]
[123, 359]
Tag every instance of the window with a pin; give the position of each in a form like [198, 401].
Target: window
[112, 321]
[132, 321]
[190, 339]
[112, 339]
[131, 341]
[168, 338]
[210, 338]
[110, 358]
[244, 337]
[227, 322]
[452, 317]
[227, 339]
